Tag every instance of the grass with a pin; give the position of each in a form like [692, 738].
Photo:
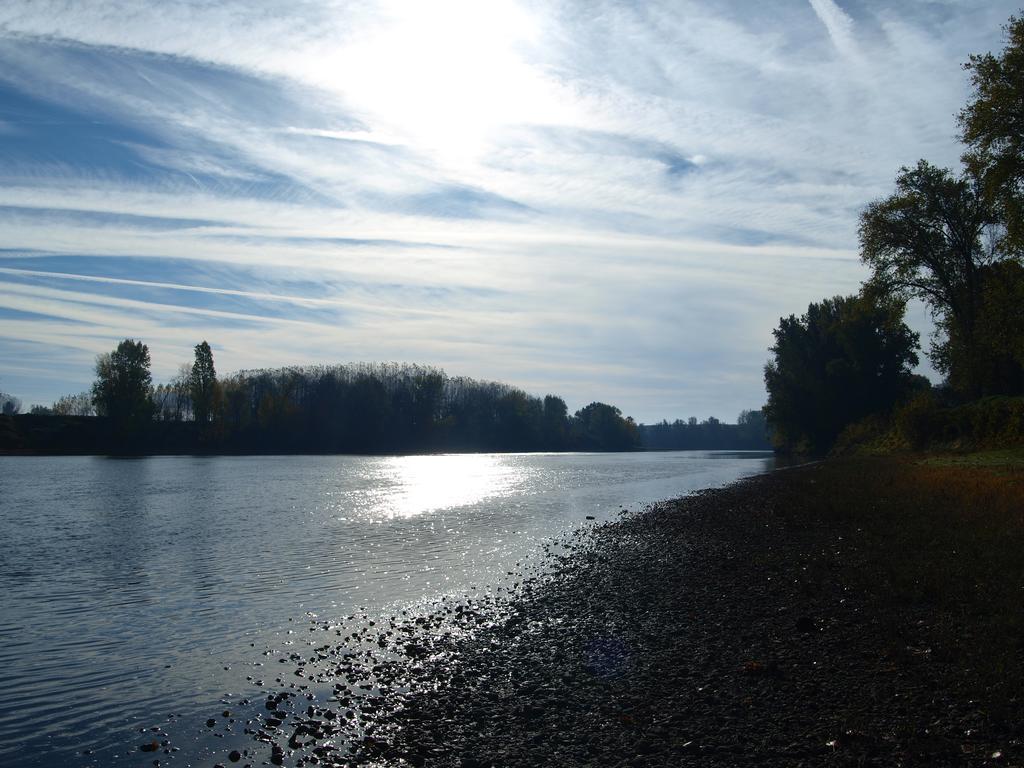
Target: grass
[1007, 460]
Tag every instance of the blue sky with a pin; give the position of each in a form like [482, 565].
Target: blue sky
[604, 200]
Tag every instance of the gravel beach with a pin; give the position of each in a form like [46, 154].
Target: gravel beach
[737, 626]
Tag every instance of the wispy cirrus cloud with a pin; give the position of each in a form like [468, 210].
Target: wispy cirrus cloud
[838, 24]
[608, 200]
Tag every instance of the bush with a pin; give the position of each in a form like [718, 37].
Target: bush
[919, 422]
[868, 435]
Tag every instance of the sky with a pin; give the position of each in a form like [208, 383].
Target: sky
[603, 200]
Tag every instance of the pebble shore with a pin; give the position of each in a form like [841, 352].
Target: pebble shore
[716, 630]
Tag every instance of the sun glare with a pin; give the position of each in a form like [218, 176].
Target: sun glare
[426, 483]
[445, 75]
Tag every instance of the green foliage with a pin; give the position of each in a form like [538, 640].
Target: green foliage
[995, 363]
[846, 358]
[992, 422]
[870, 435]
[203, 383]
[931, 240]
[925, 423]
[926, 241]
[992, 127]
[917, 423]
[123, 388]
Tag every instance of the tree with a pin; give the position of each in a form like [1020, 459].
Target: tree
[180, 399]
[517, 422]
[996, 364]
[203, 383]
[992, 127]
[9, 404]
[753, 428]
[123, 388]
[555, 424]
[928, 241]
[74, 405]
[846, 358]
[601, 427]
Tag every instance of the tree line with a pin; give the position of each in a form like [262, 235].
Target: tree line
[369, 408]
[749, 433]
[358, 408]
[953, 240]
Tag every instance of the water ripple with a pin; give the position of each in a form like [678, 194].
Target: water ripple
[138, 588]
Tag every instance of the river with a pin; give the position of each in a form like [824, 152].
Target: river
[139, 592]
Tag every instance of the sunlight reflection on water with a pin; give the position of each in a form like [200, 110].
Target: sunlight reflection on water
[137, 588]
[421, 484]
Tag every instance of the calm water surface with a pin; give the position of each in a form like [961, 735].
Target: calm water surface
[138, 589]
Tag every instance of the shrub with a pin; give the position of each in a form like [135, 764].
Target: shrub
[919, 422]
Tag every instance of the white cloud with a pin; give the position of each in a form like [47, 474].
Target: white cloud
[838, 24]
[627, 196]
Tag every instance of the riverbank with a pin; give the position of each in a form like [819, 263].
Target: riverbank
[855, 612]
[55, 435]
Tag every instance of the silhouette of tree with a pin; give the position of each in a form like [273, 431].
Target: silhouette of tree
[369, 409]
[992, 127]
[74, 405]
[555, 423]
[846, 358]
[357, 408]
[927, 240]
[519, 421]
[123, 387]
[600, 427]
[203, 383]
[750, 433]
[9, 404]
[753, 428]
[996, 364]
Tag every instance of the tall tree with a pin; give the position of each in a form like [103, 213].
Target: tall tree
[992, 127]
[203, 383]
[752, 428]
[555, 429]
[928, 241]
[846, 358]
[995, 366]
[124, 385]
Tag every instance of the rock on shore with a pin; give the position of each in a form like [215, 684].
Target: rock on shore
[706, 631]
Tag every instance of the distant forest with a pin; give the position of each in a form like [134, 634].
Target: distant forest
[750, 433]
[392, 408]
[368, 408]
